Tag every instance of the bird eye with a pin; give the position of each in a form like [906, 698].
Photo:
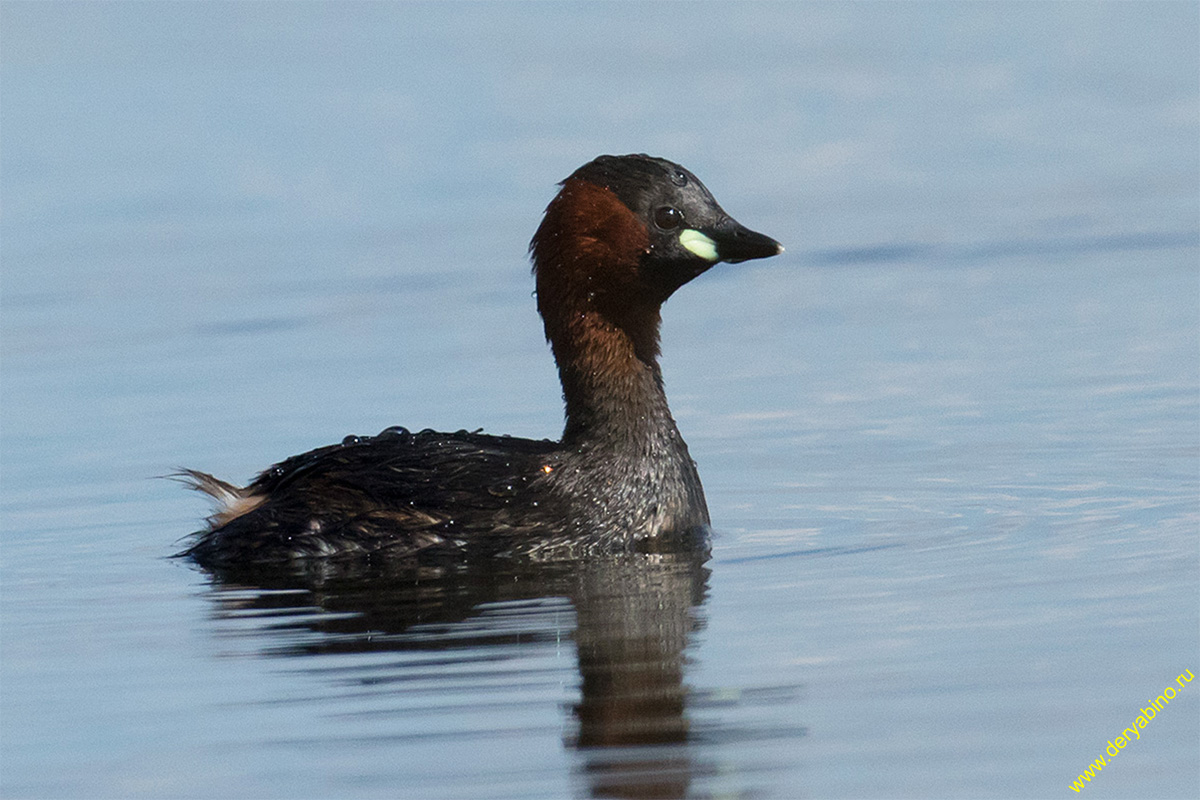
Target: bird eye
[679, 178]
[668, 218]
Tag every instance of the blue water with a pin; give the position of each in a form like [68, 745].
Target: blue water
[950, 439]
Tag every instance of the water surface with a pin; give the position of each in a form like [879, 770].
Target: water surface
[950, 440]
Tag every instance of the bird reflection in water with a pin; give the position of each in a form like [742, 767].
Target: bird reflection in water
[633, 616]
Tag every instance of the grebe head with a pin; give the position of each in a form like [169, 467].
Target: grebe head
[629, 231]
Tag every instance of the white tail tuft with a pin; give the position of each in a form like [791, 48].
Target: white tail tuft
[232, 501]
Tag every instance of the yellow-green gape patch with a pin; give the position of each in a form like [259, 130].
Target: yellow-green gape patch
[699, 244]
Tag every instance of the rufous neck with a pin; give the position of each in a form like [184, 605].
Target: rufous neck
[612, 384]
[601, 318]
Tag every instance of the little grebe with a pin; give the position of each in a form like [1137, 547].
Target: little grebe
[620, 237]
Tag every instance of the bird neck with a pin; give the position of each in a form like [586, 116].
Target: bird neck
[612, 384]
